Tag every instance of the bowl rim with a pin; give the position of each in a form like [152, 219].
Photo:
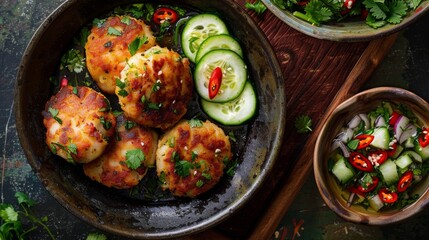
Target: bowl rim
[320, 174]
[335, 33]
[215, 219]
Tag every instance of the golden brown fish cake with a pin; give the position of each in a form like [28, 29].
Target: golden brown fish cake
[191, 157]
[127, 159]
[155, 88]
[79, 123]
[107, 48]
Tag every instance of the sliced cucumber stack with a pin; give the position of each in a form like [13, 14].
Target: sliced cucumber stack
[199, 28]
[234, 112]
[233, 78]
[223, 41]
[220, 73]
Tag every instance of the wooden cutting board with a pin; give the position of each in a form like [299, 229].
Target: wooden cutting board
[318, 75]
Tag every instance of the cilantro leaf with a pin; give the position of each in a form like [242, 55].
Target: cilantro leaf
[54, 113]
[73, 60]
[398, 9]
[134, 158]
[96, 236]
[126, 20]
[318, 11]
[136, 44]
[8, 214]
[303, 124]
[114, 31]
[182, 168]
[257, 6]
[376, 9]
[193, 123]
[23, 198]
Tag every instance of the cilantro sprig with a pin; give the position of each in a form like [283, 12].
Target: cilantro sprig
[380, 12]
[13, 221]
[303, 124]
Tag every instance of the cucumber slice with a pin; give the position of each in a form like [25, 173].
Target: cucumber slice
[234, 75]
[381, 138]
[389, 172]
[403, 161]
[422, 151]
[234, 112]
[375, 202]
[341, 171]
[197, 29]
[223, 41]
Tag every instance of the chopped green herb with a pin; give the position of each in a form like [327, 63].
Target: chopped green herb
[134, 158]
[106, 124]
[156, 86]
[207, 176]
[117, 113]
[82, 37]
[193, 123]
[129, 124]
[199, 183]
[98, 22]
[303, 124]
[54, 113]
[122, 93]
[171, 142]
[232, 136]
[182, 168]
[194, 156]
[96, 236]
[73, 60]
[257, 6]
[114, 31]
[126, 20]
[136, 44]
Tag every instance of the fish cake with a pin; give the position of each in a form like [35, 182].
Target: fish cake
[191, 157]
[79, 123]
[155, 88]
[127, 159]
[107, 48]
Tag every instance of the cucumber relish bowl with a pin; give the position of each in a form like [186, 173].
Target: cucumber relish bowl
[339, 174]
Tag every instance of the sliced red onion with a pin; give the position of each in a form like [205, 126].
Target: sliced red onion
[365, 119]
[400, 125]
[408, 132]
[354, 122]
[345, 135]
[380, 121]
[339, 144]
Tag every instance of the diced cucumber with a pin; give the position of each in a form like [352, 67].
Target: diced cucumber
[381, 138]
[223, 41]
[375, 202]
[234, 112]
[389, 172]
[403, 161]
[341, 171]
[422, 151]
[199, 28]
[413, 155]
[234, 75]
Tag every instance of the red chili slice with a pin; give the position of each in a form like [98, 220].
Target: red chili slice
[165, 14]
[370, 187]
[424, 137]
[354, 189]
[394, 118]
[215, 82]
[364, 140]
[360, 162]
[378, 156]
[405, 181]
[387, 196]
[64, 82]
